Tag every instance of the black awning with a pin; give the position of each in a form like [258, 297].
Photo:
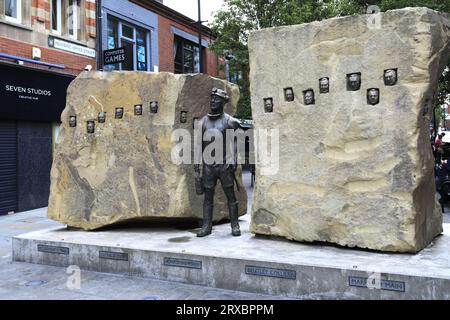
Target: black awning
[31, 94]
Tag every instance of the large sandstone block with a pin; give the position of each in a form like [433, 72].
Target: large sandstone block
[351, 172]
[124, 170]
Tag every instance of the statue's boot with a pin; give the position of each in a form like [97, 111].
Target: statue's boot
[207, 221]
[234, 216]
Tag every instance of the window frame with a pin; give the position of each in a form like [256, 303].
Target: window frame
[75, 6]
[59, 15]
[183, 42]
[146, 34]
[119, 23]
[19, 12]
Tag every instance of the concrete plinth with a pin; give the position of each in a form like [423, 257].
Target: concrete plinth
[247, 263]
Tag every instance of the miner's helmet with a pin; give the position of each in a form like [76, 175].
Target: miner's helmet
[221, 94]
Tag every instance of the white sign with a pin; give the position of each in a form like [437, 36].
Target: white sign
[71, 47]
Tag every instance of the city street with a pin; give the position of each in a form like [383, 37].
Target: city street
[28, 281]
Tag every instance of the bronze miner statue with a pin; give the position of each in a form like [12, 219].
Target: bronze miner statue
[222, 169]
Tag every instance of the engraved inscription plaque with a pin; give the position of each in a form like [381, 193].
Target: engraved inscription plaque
[388, 285]
[182, 263]
[271, 272]
[109, 255]
[53, 249]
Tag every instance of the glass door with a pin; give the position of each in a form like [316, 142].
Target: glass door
[128, 41]
[129, 55]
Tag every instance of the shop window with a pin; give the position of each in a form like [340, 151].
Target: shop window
[66, 15]
[141, 50]
[135, 40]
[113, 36]
[13, 10]
[187, 57]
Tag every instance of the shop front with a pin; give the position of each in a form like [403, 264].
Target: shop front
[31, 103]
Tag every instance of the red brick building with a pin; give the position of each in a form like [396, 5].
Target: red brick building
[177, 38]
[44, 44]
[168, 20]
[28, 24]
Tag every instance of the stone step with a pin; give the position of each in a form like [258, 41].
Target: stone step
[246, 263]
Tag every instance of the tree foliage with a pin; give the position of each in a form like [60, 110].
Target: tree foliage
[238, 18]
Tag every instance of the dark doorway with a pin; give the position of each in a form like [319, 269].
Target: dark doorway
[34, 141]
[129, 56]
[8, 167]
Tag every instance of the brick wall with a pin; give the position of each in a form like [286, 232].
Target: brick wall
[90, 18]
[41, 17]
[165, 43]
[19, 42]
[74, 63]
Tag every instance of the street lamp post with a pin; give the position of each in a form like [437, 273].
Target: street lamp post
[200, 38]
[99, 34]
[445, 118]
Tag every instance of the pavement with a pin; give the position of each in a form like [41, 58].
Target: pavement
[23, 281]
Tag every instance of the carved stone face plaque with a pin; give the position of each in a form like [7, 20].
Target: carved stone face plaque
[72, 121]
[91, 126]
[101, 117]
[373, 96]
[354, 81]
[308, 97]
[119, 113]
[268, 105]
[138, 110]
[183, 117]
[324, 85]
[390, 77]
[154, 107]
[289, 94]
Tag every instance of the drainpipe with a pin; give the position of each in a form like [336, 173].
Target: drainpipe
[200, 37]
[99, 24]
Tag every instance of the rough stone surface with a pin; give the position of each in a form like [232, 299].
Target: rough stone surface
[350, 173]
[124, 171]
